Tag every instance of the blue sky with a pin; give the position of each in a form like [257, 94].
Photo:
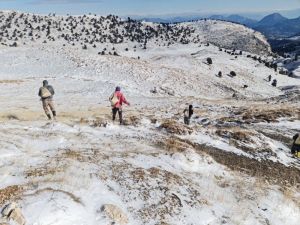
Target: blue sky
[147, 7]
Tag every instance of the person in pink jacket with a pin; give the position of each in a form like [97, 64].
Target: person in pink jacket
[117, 99]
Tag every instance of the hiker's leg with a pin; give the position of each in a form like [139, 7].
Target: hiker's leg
[46, 109]
[120, 116]
[185, 120]
[293, 151]
[52, 107]
[114, 113]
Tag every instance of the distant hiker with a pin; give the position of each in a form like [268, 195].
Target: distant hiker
[154, 90]
[46, 93]
[296, 146]
[269, 78]
[274, 83]
[117, 99]
[188, 112]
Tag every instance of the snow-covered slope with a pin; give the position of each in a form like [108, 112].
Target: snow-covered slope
[231, 166]
[92, 31]
[232, 36]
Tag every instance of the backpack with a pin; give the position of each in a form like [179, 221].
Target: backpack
[45, 93]
[297, 141]
[296, 146]
[113, 100]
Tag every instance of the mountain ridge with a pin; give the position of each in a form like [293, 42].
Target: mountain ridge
[90, 31]
[267, 25]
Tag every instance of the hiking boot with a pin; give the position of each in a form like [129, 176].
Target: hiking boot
[49, 116]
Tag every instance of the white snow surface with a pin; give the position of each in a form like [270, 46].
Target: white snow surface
[83, 182]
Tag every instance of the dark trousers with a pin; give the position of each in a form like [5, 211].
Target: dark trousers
[187, 120]
[295, 148]
[114, 113]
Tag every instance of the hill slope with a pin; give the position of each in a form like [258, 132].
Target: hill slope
[232, 165]
[90, 31]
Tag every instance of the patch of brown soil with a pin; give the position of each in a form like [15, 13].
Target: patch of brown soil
[174, 127]
[267, 170]
[258, 115]
[172, 144]
[71, 154]
[138, 175]
[131, 121]
[98, 122]
[12, 117]
[236, 134]
[242, 139]
[22, 114]
[11, 81]
[10, 193]
[278, 137]
[267, 115]
[43, 171]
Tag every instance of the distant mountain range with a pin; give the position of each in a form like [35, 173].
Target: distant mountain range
[235, 18]
[273, 26]
[276, 26]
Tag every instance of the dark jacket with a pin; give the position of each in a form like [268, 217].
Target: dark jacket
[188, 112]
[296, 145]
[50, 88]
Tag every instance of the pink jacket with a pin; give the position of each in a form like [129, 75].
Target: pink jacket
[121, 98]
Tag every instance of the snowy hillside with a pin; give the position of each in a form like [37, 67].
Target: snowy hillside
[232, 165]
[92, 31]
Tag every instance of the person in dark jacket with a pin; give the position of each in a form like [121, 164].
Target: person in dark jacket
[188, 113]
[296, 146]
[269, 78]
[46, 93]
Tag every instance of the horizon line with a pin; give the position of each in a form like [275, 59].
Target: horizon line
[157, 15]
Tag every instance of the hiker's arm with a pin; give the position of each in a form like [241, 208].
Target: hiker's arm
[295, 137]
[124, 100]
[51, 90]
[39, 94]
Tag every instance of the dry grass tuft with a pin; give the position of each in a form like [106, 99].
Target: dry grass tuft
[138, 174]
[236, 134]
[258, 115]
[173, 145]
[174, 127]
[11, 81]
[43, 171]
[98, 122]
[131, 121]
[71, 154]
[267, 115]
[10, 193]
[12, 117]
[267, 170]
